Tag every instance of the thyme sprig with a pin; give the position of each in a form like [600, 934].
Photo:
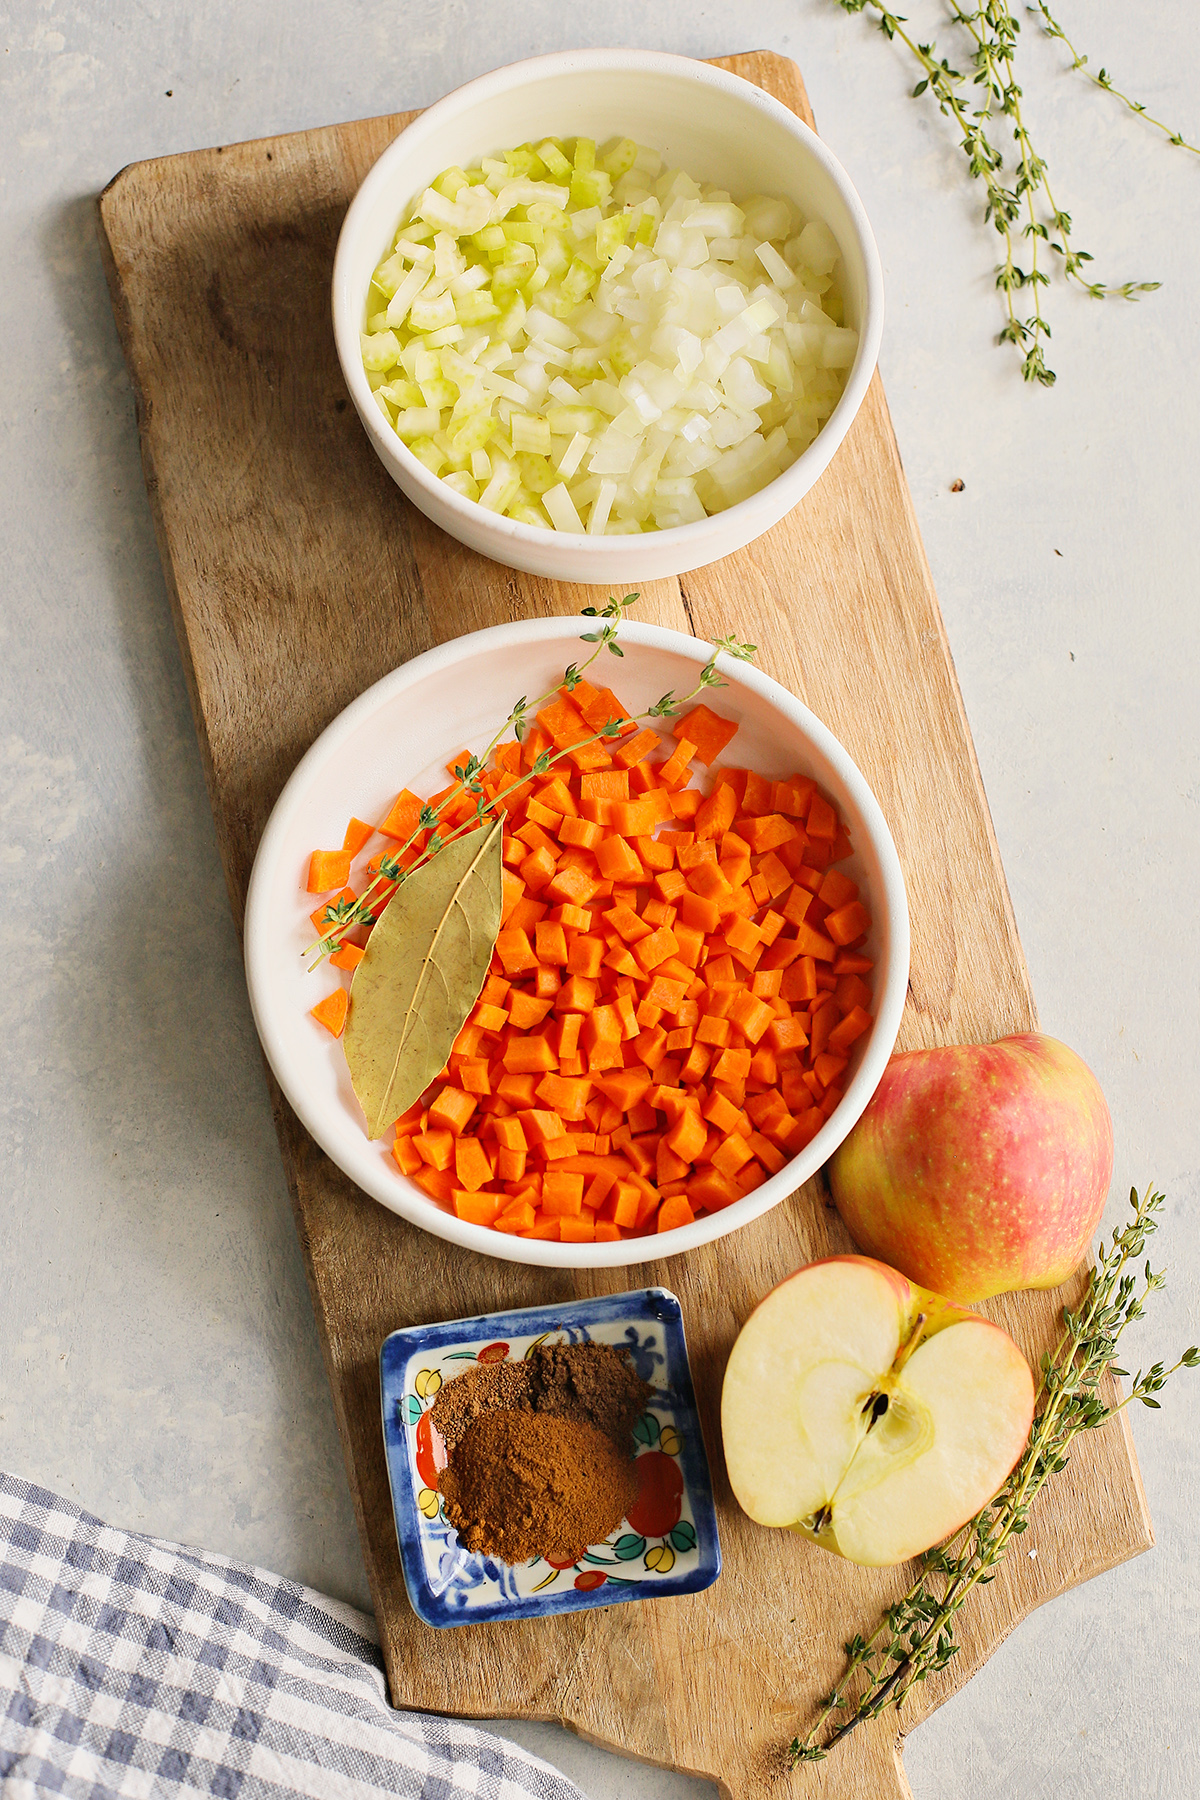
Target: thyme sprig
[1102, 79]
[984, 102]
[915, 1637]
[395, 866]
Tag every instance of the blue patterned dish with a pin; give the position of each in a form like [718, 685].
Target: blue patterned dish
[672, 1546]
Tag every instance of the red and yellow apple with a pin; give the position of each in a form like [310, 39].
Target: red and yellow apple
[979, 1167]
[869, 1415]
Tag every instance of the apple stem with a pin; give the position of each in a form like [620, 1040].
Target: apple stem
[910, 1343]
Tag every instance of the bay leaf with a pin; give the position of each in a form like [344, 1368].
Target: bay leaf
[425, 963]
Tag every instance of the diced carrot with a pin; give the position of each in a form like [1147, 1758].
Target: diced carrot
[517, 1218]
[849, 1030]
[769, 832]
[515, 951]
[435, 1147]
[674, 772]
[358, 833]
[403, 816]
[470, 1163]
[328, 869]
[331, 1011]
[848, 922]
[573, 885]
[635, 748]
[476, 1208]
[451, 1110]
[814, 943]
[673, 1213]
[717, 813]
[707, 731]
[407, 1156]
[348, 957]
[821, 821]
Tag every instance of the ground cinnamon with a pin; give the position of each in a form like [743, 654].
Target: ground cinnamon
[524, 1484]
[540, 1452]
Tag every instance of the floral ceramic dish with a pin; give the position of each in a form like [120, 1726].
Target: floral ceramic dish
[668, 1545]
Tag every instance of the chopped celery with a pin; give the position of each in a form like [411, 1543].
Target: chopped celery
[633, 348]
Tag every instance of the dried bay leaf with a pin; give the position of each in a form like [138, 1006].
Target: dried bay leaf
[425, 963]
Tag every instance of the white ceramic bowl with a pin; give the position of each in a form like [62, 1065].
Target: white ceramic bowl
[400, 734]
[717, 127]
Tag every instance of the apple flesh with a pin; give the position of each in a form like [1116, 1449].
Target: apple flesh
[979, 1168]
[869, 1415]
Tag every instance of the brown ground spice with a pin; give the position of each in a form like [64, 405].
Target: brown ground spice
[523, 1484]
[540, 1451]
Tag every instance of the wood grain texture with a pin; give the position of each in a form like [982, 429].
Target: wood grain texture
[298, 575]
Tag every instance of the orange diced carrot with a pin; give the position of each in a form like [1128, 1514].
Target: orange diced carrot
[451, 1110]
[515, 951]
[750, 1015]
[583, 834]
[674, 772]
[476, 1208]
[577, 995]
[529, 1056]
[848, 922]
[769, 832]
[543, 1228]
[674, 1212]
[586, 955]
[581, 1230]
[328, 869]
[821, 821]
[512, 888]
[470, 1163]
[408, 1157]
[707, 731]
[572, 885]
[516, 1219]
[849, 1030]
[331, 1011]
[510, 1164]
[567, 1097]
[634, 818]
[813, 943]
[348, 957]
[358, 832]
[730, 1154]
[435, 1147]
[634, 748]
[687, 1135]
[403, 816]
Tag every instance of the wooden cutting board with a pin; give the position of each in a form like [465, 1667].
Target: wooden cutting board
[298, 575]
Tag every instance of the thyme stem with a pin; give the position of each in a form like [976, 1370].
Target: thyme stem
[917, 1633]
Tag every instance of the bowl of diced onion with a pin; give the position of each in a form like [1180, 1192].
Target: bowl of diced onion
[607, 315]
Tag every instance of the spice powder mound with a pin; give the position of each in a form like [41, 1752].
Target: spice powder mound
[540, 1452]
[521, 1485]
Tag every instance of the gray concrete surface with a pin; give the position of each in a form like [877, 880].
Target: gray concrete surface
[158, 1361]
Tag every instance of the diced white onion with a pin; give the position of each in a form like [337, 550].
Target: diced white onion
[611, 342]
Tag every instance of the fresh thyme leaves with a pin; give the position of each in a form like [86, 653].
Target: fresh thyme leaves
[984, 102]
[395, 866]
[1102, 79]
[915, 1637]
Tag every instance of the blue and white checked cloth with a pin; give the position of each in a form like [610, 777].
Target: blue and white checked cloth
[132, 1667]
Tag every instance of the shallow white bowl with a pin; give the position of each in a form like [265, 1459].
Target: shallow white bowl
[717, 127]
[400, 734]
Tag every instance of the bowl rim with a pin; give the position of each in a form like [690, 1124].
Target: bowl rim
[262, 934]
[788, 487]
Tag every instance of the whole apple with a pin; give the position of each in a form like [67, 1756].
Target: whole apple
[979, 1168]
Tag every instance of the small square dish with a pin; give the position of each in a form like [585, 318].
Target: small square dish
[668, 1544]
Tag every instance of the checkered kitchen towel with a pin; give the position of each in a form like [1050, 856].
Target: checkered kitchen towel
[134, 1667]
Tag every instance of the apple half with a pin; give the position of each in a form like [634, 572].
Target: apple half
[868, 1414]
